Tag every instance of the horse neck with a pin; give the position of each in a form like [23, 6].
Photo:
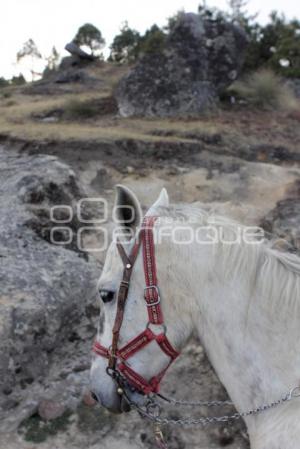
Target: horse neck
[252, 348]
[276, 429]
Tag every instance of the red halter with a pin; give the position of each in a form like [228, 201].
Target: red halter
[117, 357]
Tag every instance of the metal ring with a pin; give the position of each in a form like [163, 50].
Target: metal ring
[162, 325]
[153, 409]
[111, 372]
[295, 393]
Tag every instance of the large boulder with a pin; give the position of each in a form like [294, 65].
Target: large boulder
[46, 289]
[201, 56]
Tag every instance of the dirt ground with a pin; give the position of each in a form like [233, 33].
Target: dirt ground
[246, 190]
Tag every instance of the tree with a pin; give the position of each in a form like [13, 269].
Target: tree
[237, 10]
[275, 46]
[129, 44]
[153, 40]
[3, 82]
[88, 35]
[52, 59]
[29, 50]
[18, 80]
[284, 52]
[125, 46]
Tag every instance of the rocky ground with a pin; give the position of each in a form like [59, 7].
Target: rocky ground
[244, 163]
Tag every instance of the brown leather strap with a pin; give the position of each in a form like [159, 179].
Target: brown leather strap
[128, 262]
[123, 255]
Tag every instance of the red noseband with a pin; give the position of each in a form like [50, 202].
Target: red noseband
[117, 357]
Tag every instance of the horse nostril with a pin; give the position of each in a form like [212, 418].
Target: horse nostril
[90, 399]
[93, 396]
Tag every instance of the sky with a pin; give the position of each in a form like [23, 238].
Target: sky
[55, 22]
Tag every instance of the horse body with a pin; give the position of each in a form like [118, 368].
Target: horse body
[241, 299]
[249, 330]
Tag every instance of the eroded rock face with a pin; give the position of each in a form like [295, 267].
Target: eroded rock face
[45, 289]
[283, 221]
[200, 58]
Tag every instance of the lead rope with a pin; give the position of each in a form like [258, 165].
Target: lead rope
[159, 437]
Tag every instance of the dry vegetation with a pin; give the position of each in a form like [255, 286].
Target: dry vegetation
[265, 90]
[85, 115]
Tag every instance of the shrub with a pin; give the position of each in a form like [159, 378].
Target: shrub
[87, 109]
[265, 90]
[76, 109]
[3, 82]
[6, 94]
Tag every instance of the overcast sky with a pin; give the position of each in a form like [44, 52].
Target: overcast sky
[55, 22]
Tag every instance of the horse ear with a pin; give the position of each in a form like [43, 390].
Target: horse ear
[162, 201]
[127, 209]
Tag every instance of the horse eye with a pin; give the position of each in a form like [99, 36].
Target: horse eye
[106, 295]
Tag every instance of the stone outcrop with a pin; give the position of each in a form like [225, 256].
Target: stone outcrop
[201, 56]
[76, 51]
[46, 289]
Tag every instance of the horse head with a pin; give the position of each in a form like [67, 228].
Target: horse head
[150, 332]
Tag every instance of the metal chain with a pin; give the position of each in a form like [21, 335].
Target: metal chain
[152, 409]
[154, 415]
[193, 403]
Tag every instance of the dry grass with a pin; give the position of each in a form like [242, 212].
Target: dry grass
[18, 120]
[110, 73]
[265, 90]
[74, 132]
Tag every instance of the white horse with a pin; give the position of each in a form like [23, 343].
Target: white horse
[242, 300]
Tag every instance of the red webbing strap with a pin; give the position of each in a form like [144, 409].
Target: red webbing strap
[151, 291]
[136, 344]
[166, 346]
[100, 350]
[138, 381]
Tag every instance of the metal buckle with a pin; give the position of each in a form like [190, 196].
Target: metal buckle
[158, 295]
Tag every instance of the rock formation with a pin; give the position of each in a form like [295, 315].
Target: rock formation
[45, 289]
[201, 57]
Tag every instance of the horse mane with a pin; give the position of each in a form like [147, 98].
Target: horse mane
[275, 273]
[204, 217]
